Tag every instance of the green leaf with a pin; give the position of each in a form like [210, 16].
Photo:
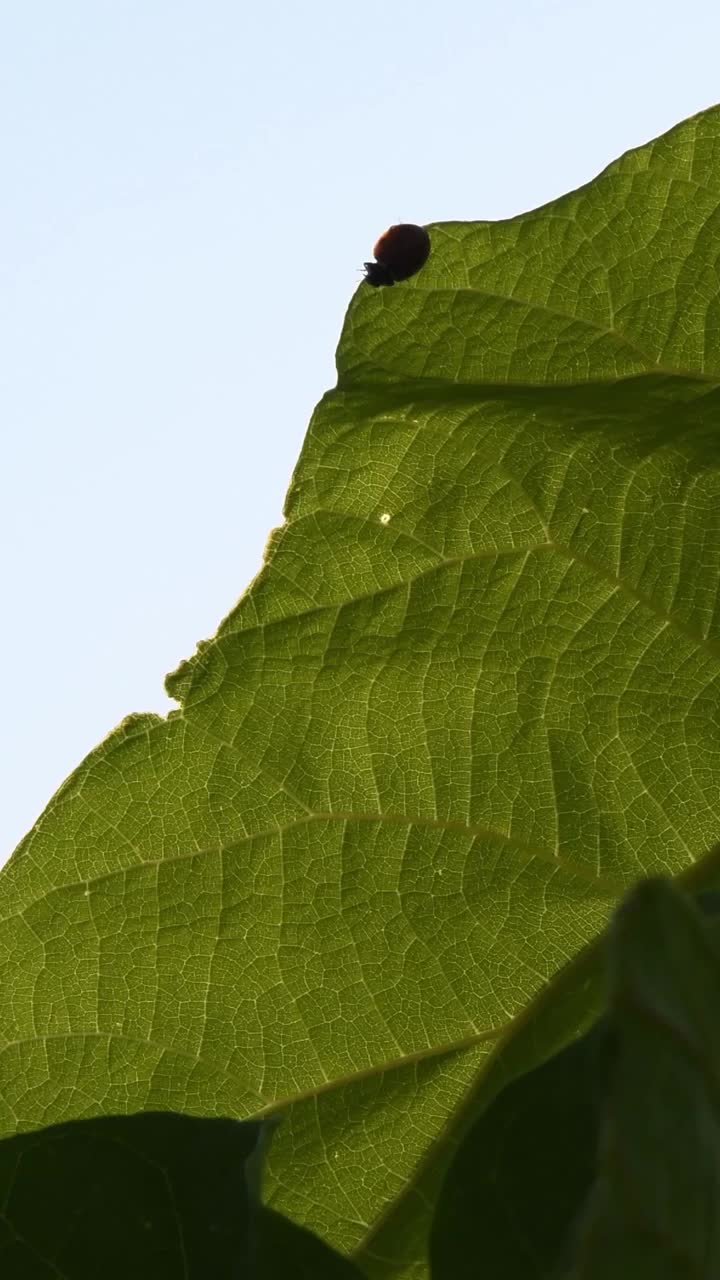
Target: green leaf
[522, 1174]
[525, 1169]
[153, 1197]
[470, 698]
[157, 1196]
[655, 1209]
[288, 1251]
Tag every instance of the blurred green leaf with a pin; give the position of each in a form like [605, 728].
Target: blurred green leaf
[470, 698]
[523, 1172]
[655, 1209]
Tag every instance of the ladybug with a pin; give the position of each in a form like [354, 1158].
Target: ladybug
[401, 251]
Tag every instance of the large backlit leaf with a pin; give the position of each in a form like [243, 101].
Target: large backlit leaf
[472, 696]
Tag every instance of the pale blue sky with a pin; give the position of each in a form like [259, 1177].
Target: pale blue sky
[189, 190]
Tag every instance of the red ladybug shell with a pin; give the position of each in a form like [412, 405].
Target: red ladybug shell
[401, 251]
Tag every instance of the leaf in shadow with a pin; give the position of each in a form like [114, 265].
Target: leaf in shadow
[523, 1170]
[655, 1208]
[153, 1195]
